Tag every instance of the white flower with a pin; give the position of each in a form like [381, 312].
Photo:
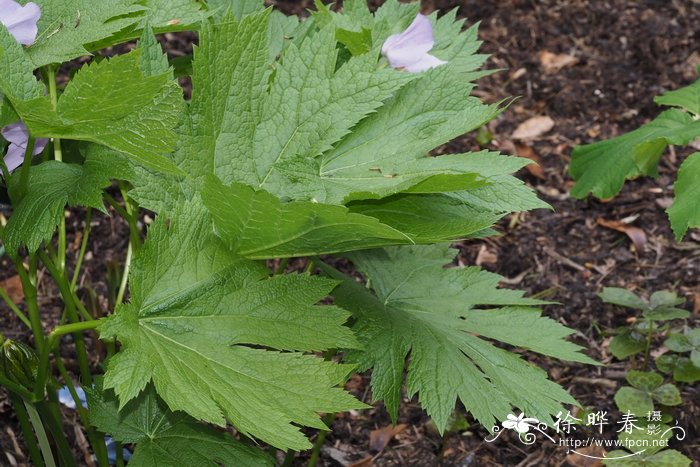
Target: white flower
[519, 423]
[20, 20]
[409, 50]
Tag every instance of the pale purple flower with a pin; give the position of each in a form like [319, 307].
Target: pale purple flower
[20, 20]
[409, 50]
[18, 137]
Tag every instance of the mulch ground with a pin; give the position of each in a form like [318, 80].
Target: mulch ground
[618, 55]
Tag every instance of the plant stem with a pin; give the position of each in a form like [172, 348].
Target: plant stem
[289, 458]
[282, 266]
[83, 248]
[96, 440]
[70, 302]
[650, 334]
[15, 388]
[42, 372]
[53, 423]
[30, 297]
[26, 426]
[58, 155]
[26, 167]
[125, 274]
[320, 439]
[13, 307]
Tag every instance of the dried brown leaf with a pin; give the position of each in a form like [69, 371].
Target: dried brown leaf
[527, 152]
[533, 127]
[13, 287]
[551, 62]
[378, 439]
[637, 235]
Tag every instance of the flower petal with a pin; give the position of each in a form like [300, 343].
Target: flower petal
[16, 133]
[20, 20]
[14, 157]
[409, 49]
[426, 62]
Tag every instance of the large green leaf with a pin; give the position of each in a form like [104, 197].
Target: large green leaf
[602, 167]
[66, 27]
[417, 307]
[684, 213]
[197, 320]
[17, 81]
[52, 186]
[164, 438]
[300, 228]
[687, 98]
[117, 104]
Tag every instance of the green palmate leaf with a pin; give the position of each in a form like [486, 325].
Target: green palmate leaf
[52, 186]
[66, 27]
[684, 213]
[687, 98]
[114, 103]
[418, 307]
[681, 368]
[601, 168]
[288, 131]
[164, 438]
[299, 229]
[195, 325]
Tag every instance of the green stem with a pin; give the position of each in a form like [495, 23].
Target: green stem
[70, 302]
[26, 168]
[320, 439]
[125, 274]
[13, 307]
[15, 388]
[96, 440]
[289, 458]
[650, 334]
[83, 248]
[58, 155]
[42, 372]
[41, 435]
[26, 426]
[30, 297]
[5, 171]
[284, 262]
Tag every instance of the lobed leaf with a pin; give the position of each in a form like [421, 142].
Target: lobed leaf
[199, 324]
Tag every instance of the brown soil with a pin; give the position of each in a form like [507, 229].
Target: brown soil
[625, 53]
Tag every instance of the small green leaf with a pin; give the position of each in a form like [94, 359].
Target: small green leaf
[684, 213]
[687, 98]
[667, 394]
[52, 186]
[665, 299]
[668, 458]
[647, 381]
[622, 297]
[683, 370]
[602, 167]
[625, 345]
[634, 401]
[358, 43]
[164, 438]
[678, 343]
[666, 314]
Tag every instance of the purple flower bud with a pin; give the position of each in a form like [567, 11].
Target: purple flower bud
[409, 50]
[20, 20]
[18, 136]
